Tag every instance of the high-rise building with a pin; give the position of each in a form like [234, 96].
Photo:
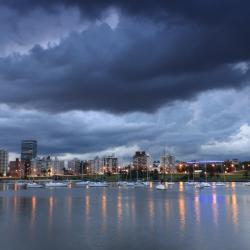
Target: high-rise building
[28, 150]
[141, 160]
[167, 162]
[4, 160]
[110, 163]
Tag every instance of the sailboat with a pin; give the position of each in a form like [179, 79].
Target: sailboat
[205, 184]
[221, 183]
[171, 176]
[161, 187]
[34, 185]
[191, 182]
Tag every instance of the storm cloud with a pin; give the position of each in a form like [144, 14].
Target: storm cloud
[122, 60]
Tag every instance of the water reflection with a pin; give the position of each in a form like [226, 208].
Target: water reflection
[181, 186]
[215, 209]
[119, 209]
[69, 209]
[51, 208]
[151, 209]
[235, 210]
[182, 218]
[33, 211]
[104, 209]
[119, 206]
[87, 205]
[197, 209]
[182, 211]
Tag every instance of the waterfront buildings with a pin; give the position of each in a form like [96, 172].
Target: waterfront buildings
[110, 164]
[4, 160]
[167, 163]
[16, 168]
[141, 160]
[28, 150]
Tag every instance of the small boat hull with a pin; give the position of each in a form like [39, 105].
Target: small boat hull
[55, 184]
[161, 187]
[34, 185]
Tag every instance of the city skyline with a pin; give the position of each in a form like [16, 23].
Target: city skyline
[99, 77]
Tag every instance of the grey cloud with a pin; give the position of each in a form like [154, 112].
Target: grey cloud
[183, 128]
[119, 71]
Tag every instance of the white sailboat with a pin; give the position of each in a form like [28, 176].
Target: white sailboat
[161, 186]
[82, 183]
[98, 184]
[205, 184]
[55, 184]
[34, 185]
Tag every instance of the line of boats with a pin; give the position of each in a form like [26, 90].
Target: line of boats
[136, 184]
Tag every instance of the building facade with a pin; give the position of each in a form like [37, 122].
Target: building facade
[4, 160]
[110, 164]
[141, 160]
[28, 150]
[167, 162]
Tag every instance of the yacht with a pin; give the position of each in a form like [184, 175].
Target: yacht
[130, 184]
[34, 185]
[139, 184]
[205, 184]
[220, 184]
[161, 187]
[20, 183]
[82, 183]
[199, 186]
[55, 184]
[98, 184]
[121, 183]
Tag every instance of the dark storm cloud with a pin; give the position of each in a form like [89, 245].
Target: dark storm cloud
[138, 66]
[161, 53]
[149, 60]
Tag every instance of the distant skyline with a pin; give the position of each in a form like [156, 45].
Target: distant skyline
[88, 78]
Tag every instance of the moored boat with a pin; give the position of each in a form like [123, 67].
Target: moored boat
[98, 184]
[161, 187]
[56, 184]
[34, 185]
[82, 183]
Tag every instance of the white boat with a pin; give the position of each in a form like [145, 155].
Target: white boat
[130, 184]
[146, 183]
[220, 184]
[82, 183]
[98, 184]
[199, 186]
[206, 184]
[33, 185]
[121, 183]
[247, 184]
[139, 184]
[20, 183]
[55, 184]
[161, 187]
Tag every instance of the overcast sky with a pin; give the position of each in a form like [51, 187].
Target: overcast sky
[102, 76]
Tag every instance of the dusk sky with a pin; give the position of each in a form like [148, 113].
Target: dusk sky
[95, 77]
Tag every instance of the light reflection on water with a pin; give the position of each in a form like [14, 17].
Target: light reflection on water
[109, 218]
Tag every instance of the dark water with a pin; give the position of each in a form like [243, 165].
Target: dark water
[118, 218]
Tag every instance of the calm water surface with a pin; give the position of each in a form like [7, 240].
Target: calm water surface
[120, 218]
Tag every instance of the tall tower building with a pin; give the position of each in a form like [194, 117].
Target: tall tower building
[4, 160]
[28, 150]
[141, 160]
